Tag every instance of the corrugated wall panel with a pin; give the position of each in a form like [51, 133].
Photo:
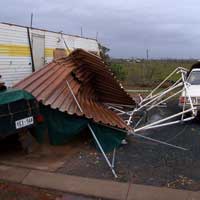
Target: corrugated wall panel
[14, 69]
[52, 41]
[70, 41]
[91, 45]
[11, 35]
[15, 61]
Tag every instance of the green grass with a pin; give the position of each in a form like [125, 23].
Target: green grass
[147, 73]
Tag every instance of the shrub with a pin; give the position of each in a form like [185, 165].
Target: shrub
[119, 71]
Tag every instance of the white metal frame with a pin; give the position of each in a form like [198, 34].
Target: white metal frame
[158, 98]
[154, 99]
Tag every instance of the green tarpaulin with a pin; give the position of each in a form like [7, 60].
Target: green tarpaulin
[109, 138]
[12, 95]
[63, 127]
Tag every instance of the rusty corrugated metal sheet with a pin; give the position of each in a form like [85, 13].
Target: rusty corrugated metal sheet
[91, 81]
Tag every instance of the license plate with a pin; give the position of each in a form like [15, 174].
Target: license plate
[24, 122]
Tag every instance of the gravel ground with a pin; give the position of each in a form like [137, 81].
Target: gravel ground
[144, 162]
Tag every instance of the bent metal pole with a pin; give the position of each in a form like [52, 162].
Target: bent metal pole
[149, 138]
[93, 134]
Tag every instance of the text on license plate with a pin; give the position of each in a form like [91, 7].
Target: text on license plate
[24, 122]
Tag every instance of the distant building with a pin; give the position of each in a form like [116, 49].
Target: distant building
[137, 60]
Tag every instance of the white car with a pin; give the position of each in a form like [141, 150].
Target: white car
[193, 90]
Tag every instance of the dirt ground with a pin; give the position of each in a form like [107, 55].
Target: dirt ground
[13, 191]
[140, 161]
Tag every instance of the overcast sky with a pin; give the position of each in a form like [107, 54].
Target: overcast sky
[128, 27]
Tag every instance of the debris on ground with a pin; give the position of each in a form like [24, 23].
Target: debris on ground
[181, 180]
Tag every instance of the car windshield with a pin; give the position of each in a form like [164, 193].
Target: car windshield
[194, 78]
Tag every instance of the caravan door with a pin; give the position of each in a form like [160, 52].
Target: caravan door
[38, 45]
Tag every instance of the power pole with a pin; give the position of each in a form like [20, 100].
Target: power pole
[147, 54]
[81, 31]
[97, 33]
[31, 25]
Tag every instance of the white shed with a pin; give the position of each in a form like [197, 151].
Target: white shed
[24, 49]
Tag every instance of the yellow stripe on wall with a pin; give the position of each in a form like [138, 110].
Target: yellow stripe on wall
[22, 50]
[49, 52]
[14, 50]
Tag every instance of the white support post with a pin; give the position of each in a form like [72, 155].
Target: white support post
[119, 105]
[162, 120]
[75, 99]
[164, 100]
[172, 73]
[182, 117]
[161, 95]
[157, 94]
[187, 93]
[102, 151]
[113, 158]
[68, 49]
[120, 112]
[148, 138]
[158, 141]
[167, 124]
[152, 100]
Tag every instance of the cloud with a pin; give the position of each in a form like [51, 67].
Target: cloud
[168, 28]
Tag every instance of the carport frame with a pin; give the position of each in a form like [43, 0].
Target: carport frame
[153, 102]
[156, 99]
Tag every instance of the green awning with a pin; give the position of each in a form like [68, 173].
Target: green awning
[12, 95]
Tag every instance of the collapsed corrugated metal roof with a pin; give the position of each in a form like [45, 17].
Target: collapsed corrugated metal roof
[91, 81]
